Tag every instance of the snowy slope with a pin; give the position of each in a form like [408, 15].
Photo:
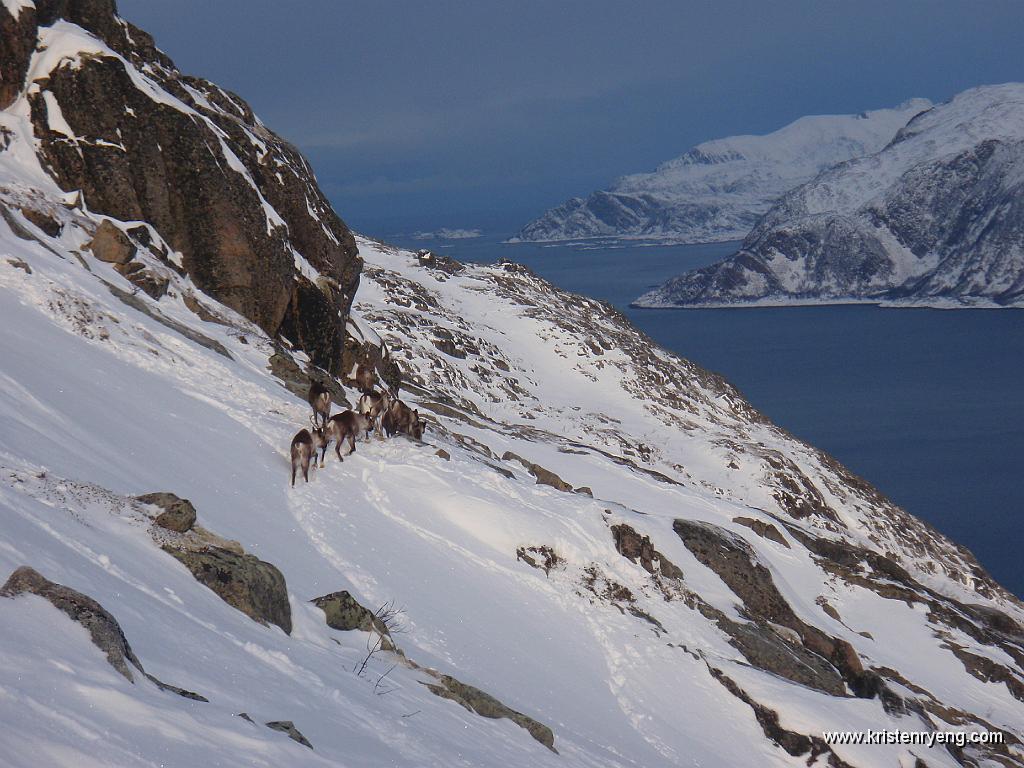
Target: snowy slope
[606, 539]
[934, 218]
[101, 402]
[718, 189]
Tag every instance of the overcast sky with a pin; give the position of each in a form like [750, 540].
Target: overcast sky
[483, 114]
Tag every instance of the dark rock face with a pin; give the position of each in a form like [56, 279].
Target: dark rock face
[17, 41]
[486, 705]
[808, 655]
[194, 161]
[179, 515]
[736, 564]
[103, 629]
[253, 586]
[287, 727]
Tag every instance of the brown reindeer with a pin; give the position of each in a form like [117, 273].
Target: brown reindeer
[374, 405]
[401, 419]
[305, 444]
[365, 378]
[347, 425]
[320, 401]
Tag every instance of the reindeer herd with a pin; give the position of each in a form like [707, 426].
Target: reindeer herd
[377, 410]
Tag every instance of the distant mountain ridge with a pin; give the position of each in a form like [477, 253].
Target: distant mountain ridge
[936, 218]
[719, 189]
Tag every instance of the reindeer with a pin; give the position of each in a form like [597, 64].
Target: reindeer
[347, 425]
[320, 401]
[374, 405]
[305, 444]
[401, 419]
[365, 378]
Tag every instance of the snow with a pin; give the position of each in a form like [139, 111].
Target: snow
[881, 227]
[15, 7]
[87, 421]
[54, 116]
[100, 402]
[718, 189]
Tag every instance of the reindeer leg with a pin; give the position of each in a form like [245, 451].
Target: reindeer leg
[293, 474]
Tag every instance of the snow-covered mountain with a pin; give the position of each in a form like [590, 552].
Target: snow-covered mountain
[935, 218]
[719, 189]
[601, 554]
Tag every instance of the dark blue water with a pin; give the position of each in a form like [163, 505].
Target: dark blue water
[928, 405]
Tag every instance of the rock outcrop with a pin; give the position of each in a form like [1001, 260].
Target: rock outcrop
[288, 728]
[344, 613]
[178, 514]
[103, 629]
[486, 705]
[237, 205]
[253, 586]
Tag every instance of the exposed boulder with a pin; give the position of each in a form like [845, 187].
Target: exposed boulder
[243, 581]
[111, 245]
[344, 613]
[147, 280]
[47, 223]
[544, 476]
[639, 549]
[763, 529]
[486, 705]
[104, 631]
[288, 727]
[543, 557]
[102, 627]
[178, 514]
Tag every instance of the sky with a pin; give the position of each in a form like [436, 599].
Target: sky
[480, 114]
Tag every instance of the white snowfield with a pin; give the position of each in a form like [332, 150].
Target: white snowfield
[101, 402]
[106, 393]
[718, 190]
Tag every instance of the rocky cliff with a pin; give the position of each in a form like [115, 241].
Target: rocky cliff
[935, 218]
[234, 205]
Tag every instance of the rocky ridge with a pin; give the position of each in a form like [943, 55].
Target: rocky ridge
[180, 167]
[719, 189]
[935, 218]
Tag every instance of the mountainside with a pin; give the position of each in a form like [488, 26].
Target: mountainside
[719, 189]
[935, 218]
[600, 554]
[186, 165]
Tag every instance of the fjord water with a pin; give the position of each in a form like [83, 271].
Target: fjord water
[928, 405]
